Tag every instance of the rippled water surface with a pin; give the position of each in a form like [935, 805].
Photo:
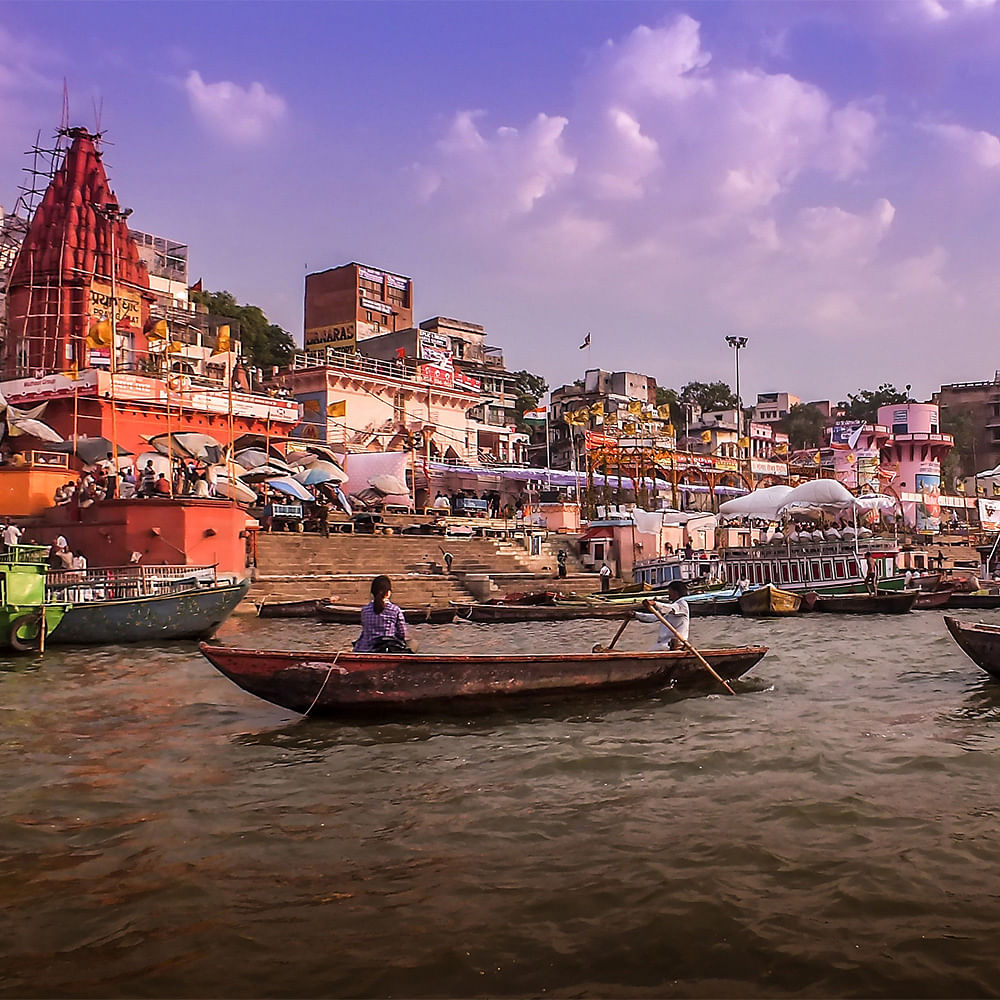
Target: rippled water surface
[832, 830]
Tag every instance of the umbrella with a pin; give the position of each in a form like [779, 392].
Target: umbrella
[285, 484]
[188, 444]
[260, 473]
[320, 472]
[233, 489]
[388, 483]
[254, 458]
[301, 458]
[34, 428]
[89, 450]
[342, 500]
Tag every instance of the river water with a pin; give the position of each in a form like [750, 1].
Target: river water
[830, 831]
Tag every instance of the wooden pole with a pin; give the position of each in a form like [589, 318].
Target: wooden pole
[651, 607]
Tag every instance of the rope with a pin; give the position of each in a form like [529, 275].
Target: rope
[323, 685]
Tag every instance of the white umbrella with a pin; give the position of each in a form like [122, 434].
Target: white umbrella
[285, 484]
[389, 484]
[763, 503]
[231, 488]
[259, 473]
[320, 472]
[875, 501]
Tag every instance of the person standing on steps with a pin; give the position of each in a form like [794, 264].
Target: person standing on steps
[448, 559]
[605, 578]
[561, 559]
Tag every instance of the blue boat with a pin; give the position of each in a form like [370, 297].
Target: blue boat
[141, 604]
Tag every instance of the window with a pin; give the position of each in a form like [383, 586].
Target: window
[796, 578]
[815, 569]
[899, 428]
[827, 569]
[368, 316]
[840, 568]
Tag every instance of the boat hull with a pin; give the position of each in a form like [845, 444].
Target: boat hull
[769, 602]
[899, 603]
[190, 614]
[502, 613]
[330, 683]
[980, 601]
[339, 614]
[288, 609]
[981, 643]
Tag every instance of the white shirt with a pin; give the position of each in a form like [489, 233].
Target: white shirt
[79, 562]
[605, 570]
[11, 534]
[678, 614]
[61, 542]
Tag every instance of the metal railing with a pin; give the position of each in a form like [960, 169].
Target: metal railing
[125, 582]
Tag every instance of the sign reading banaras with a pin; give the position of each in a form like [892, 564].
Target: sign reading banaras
[129, 307]
[343, 337]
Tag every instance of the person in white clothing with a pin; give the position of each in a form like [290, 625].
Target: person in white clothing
[605, 577]
[677, 613]
[11, 535]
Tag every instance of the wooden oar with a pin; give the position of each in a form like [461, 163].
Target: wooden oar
[653, 610]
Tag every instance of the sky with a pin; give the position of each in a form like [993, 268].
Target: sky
[821, 178]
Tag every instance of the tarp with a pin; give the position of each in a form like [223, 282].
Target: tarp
[828, 494]
[762, 504]
[363, 467]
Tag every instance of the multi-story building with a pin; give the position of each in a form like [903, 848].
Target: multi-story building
[978, 405]
[773, 406]
[352, 303]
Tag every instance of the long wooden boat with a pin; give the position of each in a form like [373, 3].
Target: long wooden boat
[974, 600]
[560, 611]
[979, 641]
[288, 609]
[769, 602]
[722, 602]
[342, 614]
[928, 600]
[323, 682]
[189, 613]
[895, 603]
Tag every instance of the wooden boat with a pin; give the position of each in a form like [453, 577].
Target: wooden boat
[142, 604]
[974, 600]
[289, 609]
[341, 614]
[769, 602]
[559, 611]
[322, 682]
[723, 602]
[897, 602]
[927, 600]
[979, 641]
[28, 615]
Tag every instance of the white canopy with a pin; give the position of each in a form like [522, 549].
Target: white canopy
[875, 501]
[762, 504]
[828, 494]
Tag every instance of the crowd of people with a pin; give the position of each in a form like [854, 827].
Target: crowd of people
[104, 482]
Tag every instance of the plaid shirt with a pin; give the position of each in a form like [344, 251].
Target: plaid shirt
[374, 626]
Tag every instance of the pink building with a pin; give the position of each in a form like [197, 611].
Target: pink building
[913, 455]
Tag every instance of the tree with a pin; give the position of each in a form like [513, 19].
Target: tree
[529, 389]
[669, 397]
[709, 395]
[264, 343]
[805, 427]
[960, 422]
[865, 404]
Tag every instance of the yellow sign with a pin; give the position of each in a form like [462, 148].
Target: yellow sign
[128, 310]
[337, 409]
[343, 337]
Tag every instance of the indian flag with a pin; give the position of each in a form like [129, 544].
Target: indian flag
[536, 416]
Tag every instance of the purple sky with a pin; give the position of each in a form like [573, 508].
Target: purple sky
[821, 177]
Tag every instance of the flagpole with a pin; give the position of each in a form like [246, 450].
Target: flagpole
[548, 452]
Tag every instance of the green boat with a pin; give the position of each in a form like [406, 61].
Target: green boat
[25, 616]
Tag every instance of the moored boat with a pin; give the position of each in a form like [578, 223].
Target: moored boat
[322, 682]
[979, 641]
[289, 609]
[558, 611]
[713, 602]
[141, 604]
[342, 614]
[896, 603]
[769, 602]
[977, 600]
[27, 615]
[927, 600]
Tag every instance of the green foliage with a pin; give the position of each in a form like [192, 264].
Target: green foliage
[865, 404]
[960, 422]
[669, 397]
[709, 395]
[529, 389]
[264, 343]
[805, 427]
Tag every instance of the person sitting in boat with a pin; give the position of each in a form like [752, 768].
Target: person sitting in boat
[382, 622]
[677, 613]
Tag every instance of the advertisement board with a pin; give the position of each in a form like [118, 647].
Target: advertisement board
[989, 514]
[128, 314]
[343, 337]
[845, 433]
[928, 512]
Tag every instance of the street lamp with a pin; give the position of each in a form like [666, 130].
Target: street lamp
[737, 344]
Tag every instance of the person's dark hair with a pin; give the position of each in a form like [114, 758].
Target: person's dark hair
[678, 588]
[381, 586]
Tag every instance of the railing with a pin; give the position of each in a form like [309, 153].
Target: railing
[25, 553]
[331, 358]
[124, 582]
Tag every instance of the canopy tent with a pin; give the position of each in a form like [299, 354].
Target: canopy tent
[188, 444]
[762, 504]
[818, 495]
[875, 501]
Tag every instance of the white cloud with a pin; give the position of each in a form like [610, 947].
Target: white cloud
[241, 115]
[981, 149]
[827, 232]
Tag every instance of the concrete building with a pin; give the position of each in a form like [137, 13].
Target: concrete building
[352, 303]
[773, 406]
[979, 404]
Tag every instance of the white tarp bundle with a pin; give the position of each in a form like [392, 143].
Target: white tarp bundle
[763, 504]
[824, 494]
[366, 465]
[875, 501]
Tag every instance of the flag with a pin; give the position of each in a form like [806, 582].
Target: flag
[174, 347]
[664, 411]
[980, 490]
[400, 353]
[706, 436]
[586, 342]
[338, 409]
[597, 410]
[535, 416]
[577, 418]
[99, 333]
[781, 448]
[960, 486]
[196, 287]
[635, 407]
[310, 406]
[744, 442]
[996, 489]
[222, 340]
